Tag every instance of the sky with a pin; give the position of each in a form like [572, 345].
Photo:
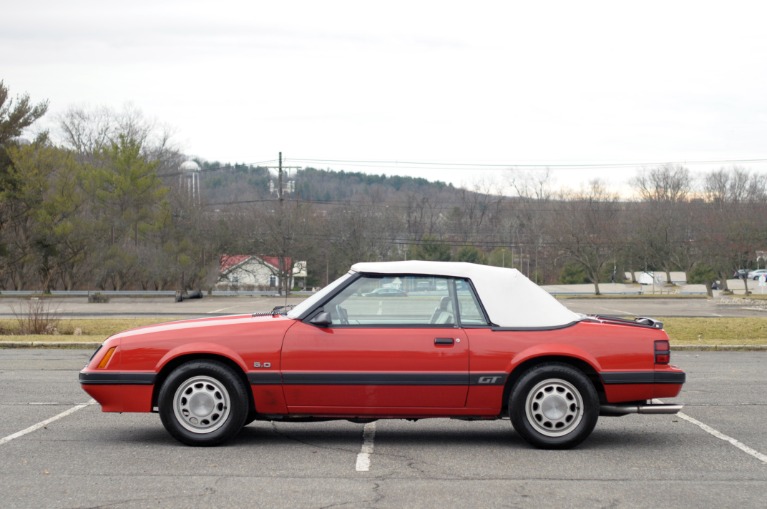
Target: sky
[460, 92]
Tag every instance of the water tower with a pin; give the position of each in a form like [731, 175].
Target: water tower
[189, 181]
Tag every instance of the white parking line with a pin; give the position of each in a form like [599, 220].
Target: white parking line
[363, 458]
[620, 312]
[46, 422]
[721, 436]
[221, 310]
[718, 434]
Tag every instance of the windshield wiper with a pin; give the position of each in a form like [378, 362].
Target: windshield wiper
[277, 311]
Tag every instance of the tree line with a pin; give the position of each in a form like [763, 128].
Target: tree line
[106, 207]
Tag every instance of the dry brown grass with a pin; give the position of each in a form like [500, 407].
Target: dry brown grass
[716, 331]
[90, 329]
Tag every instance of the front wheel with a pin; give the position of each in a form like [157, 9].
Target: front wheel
[554, 406]
[203, 403]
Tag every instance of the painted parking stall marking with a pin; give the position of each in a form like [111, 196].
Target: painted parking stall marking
[718, 434]
[721, 436]
[368, 437]
[46, 422]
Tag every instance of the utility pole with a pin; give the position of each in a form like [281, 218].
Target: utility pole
[279, 181]
[284, 268]
[280, 170]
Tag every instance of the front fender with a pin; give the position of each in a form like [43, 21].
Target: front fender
[200, 350]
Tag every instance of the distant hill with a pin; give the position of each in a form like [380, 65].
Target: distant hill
[238, 183]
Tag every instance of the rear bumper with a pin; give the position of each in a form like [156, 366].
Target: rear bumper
[632, 386]
[675, 377]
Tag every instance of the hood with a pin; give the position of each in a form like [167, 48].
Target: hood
[208, 326]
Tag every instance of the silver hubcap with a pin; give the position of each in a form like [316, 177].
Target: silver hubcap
[554, 407]
[201, 404]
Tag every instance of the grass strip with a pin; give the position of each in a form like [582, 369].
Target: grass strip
[90, 329]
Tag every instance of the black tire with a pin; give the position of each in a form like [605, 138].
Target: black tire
[203, 403]
[554, 406]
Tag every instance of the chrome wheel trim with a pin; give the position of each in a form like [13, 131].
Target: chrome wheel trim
[201, 404]
[554, 407]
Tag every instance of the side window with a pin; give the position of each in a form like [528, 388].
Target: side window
[471, 312]
[394, 301]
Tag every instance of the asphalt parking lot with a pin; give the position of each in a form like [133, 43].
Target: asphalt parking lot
[59, 451]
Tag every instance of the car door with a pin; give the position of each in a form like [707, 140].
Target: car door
[383, 353]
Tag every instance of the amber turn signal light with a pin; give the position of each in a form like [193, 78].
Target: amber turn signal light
[107, 357]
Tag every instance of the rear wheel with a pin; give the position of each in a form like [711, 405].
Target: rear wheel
[203, 403]
[554, 406]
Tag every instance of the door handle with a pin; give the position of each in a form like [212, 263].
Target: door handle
[444, 341]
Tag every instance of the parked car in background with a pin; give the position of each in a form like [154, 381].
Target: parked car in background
[756, 274]
[740, 274]
[385, 292]
[486, 343]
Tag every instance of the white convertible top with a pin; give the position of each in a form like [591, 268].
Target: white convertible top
[510, 299]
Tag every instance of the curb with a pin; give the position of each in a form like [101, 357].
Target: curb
[720, 348]
[50, 344]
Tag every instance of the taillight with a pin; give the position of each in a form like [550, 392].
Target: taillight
[662, 351]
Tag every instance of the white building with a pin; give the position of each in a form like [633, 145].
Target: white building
[258, 272]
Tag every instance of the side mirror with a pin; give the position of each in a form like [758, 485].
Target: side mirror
[322, 319]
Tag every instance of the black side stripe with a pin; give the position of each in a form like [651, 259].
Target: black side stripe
[265, 378]
[117, 378]
[642, 377]
[375, 379]
[444, 379]
[275, 378]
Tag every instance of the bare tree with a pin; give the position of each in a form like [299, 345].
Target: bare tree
[475, 214]
[284, 232]
[665, 184]
[736, 185]
[662, 226]
[586, 229]
[423, 215]
[532, 184]
[87, 131]
[90, 131]
[734, 220]
[527, 217]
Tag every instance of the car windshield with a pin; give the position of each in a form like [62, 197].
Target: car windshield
[304, 306]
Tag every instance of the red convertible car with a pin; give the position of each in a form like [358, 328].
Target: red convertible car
[459, 340]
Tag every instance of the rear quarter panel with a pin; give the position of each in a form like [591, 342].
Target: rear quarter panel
[605, 347]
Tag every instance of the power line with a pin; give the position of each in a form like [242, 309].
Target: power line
[217, 168]
[438, 166]
[429, 165]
